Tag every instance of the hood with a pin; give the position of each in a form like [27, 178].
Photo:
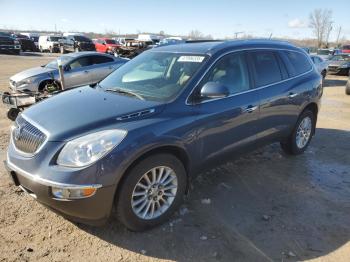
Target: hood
[338, 63]
[81, 110]
[30, 73]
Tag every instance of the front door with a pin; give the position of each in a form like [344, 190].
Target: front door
[78, 72]
[228, 123]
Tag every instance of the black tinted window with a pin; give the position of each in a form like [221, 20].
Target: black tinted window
[298, 61]
[232, 72]
[267, 69]
[80, 62]
[98, 59]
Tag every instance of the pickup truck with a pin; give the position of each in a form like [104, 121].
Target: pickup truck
[8, 44]
[76, 43]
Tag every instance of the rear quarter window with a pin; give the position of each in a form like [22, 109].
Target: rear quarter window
[298, 62]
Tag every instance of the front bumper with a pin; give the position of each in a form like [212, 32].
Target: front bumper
[338, 71]
[94, 210]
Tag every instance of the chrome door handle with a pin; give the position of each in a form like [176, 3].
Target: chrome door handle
[291, 95]
[250, 109]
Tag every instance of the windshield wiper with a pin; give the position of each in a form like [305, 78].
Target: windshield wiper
[124, 91]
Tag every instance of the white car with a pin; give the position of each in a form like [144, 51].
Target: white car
[49, 43]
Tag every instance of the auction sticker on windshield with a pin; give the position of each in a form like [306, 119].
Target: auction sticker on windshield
[193, 59]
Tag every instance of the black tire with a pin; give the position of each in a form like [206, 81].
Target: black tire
[12, 113]
[347, 88]
[17, 52]
[125, 212]
[290, 146]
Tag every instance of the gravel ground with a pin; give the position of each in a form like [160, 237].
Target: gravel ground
[264, 206]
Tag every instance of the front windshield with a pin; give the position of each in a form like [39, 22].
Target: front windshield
[55, 38]
[323, 52]
[64, 60]
[157, 76]
[340, 58]
[110, 41]
[81, 38]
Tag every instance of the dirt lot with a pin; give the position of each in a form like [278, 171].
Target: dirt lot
[261, 207]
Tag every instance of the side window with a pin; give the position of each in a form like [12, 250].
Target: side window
[300, 63]
[80, 62]
[231, 71]
[99, 59]
[267, 69]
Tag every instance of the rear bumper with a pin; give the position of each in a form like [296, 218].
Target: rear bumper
[93, 210]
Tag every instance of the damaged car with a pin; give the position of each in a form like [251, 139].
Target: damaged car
[132, 142]
[81, 68]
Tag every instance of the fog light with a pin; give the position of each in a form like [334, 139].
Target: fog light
[72, 193]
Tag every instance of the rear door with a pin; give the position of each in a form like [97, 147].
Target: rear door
[79, 72]
[229, 123]
[102, 67]
[280, 91]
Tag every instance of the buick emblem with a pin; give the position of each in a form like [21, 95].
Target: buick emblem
[17, 133]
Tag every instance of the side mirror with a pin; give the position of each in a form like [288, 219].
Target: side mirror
[214, 90]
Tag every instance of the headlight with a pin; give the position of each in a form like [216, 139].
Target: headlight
[26, 81]
[86, 150]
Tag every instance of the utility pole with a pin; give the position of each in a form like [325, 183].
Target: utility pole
[237, 33]
[338, 35]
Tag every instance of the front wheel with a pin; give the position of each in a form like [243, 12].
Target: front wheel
[301, 136]
[347, 88]
[151, 192]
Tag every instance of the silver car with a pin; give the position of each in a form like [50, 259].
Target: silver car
[79, 69]
[320, 64]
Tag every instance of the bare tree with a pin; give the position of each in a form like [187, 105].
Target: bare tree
[322, 25]
[195, 34]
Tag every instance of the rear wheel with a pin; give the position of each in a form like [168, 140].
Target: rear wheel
[301, 136]
[151, 192]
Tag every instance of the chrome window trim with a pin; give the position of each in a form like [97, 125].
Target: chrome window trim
[24, 154]
[46, 182]
[250, 90]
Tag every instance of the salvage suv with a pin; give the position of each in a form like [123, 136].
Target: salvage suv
[76, 43]
[134, 140]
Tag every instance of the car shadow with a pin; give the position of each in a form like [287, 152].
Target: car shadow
[264, 206]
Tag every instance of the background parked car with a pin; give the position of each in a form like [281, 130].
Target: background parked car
[339, 64]
[76, 43]
[8, 44]
[34, 37]
[49, 43]
[26, 43]
[321, 64]
[106, 45]
[79, 69]
[346, 49]
[324, 53]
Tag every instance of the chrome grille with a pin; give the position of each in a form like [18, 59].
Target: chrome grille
[26, 137]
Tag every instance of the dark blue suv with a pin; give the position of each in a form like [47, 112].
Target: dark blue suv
[134, 139]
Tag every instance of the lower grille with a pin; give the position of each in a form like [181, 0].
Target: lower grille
[26, 137]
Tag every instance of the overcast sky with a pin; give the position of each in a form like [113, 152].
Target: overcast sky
[219, 18]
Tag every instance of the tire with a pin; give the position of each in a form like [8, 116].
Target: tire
[127, 214]
[12, 113]
[347, 88]
[291, 146]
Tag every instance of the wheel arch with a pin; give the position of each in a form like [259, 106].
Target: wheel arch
[175, 150]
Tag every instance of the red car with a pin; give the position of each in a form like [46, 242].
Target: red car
[346, 49]
[106, 45]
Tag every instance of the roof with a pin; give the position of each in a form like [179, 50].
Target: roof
[212, 47]
[84, 53]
